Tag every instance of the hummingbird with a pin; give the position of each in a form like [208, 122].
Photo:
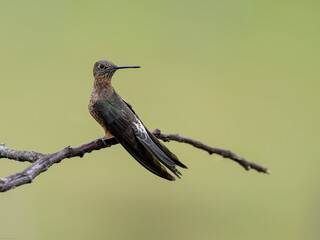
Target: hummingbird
[119, 120]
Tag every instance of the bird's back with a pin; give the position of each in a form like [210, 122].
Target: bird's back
[118, 118]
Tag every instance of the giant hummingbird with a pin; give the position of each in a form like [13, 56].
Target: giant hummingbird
[118, 119]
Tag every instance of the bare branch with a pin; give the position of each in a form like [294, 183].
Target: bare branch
[45, 161]
[42, 162]
[211, 150]
[21, 156]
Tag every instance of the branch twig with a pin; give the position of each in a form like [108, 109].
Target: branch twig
[211, 150]
[42, 162]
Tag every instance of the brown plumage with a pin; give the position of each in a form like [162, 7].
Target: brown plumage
[118, 119]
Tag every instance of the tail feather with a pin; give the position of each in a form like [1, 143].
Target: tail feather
[157, 150]
[140, 153]
[171, 155]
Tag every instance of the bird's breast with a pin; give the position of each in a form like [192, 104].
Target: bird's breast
[94, 111]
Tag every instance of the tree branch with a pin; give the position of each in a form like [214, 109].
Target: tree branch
[21, 156]
[211, 150]
[42, 162]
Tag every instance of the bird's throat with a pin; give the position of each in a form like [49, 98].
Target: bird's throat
[102, 87]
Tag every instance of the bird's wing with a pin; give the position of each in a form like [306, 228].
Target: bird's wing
[144, 137]
[172, 156]
[161, 146]
[122, 128]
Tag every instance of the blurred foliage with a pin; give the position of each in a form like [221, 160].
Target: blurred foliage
[242, 75]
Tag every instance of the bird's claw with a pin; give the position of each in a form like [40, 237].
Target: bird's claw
[104, 141]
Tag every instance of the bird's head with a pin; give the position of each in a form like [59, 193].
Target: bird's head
[105, 69]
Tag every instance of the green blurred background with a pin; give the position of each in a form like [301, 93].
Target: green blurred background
[240, 75]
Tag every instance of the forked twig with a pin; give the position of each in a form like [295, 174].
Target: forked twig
[42, 162]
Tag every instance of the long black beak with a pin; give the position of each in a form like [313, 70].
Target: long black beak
[121, 67]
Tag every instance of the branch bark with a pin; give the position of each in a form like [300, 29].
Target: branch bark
[42, 162]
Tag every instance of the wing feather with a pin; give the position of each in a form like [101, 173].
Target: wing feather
[172, 156]
[121, 127]
[143, 136]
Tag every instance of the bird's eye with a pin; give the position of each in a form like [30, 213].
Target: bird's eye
[101, 66]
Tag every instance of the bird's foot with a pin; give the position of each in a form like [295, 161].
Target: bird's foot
[104, 140]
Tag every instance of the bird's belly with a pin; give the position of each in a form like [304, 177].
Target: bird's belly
[95, 115]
